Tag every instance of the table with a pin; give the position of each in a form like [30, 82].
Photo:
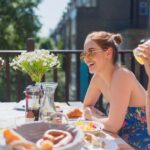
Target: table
[7, 109]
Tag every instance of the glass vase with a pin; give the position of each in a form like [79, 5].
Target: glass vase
[47, 103]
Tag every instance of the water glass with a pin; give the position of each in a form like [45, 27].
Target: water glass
[47, 101]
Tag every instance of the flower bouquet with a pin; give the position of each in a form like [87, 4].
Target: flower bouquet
[35, 63]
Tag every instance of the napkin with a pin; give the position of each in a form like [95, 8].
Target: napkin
[21, 105]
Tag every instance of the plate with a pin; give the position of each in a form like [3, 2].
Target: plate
[21, 105]
[34, 131]
[110, 144]
[88, 126]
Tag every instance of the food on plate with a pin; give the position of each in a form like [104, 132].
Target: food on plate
[86, 125]
[44, 144]
[22, 145]
[102, 144]
[11, 136]
[14, 140]
[51, 139]
[91, 139]
[74, 113]
[57, 137]
[88, 138]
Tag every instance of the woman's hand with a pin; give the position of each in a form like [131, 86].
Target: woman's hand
[145, 55]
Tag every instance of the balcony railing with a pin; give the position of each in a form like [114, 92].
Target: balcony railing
[125, 58]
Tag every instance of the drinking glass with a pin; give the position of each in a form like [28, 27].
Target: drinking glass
[136, 54]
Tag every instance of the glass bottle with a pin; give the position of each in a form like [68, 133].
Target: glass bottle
[47, 104]
[33, 96]
[136, 53]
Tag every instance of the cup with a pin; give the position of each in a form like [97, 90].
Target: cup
[136, 54]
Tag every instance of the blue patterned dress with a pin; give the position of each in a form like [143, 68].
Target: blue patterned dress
[134, 129]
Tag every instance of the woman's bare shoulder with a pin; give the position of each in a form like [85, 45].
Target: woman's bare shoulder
[123, 73]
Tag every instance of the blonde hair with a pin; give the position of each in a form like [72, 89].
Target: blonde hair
[106, 40]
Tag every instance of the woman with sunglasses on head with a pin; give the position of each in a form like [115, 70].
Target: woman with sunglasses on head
[119, 86]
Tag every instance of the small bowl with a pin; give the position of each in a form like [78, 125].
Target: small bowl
[86, 126]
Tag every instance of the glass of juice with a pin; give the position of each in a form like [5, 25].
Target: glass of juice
[136, 54]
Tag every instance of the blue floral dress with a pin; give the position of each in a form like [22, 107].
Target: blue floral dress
[134, 129]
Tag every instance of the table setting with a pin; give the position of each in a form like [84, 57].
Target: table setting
[86, 135]
[33, 131]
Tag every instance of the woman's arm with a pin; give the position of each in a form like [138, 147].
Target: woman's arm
[119, 102]
[92, 93]
[121, 88]
[148, 106]
[145, 54]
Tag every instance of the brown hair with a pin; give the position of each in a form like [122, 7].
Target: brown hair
[106, 40]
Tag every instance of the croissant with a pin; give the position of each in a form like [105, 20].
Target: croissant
[74, 113]
[11, 136]
[14, 140]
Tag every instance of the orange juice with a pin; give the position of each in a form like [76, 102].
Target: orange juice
[136, 54]
[137, 57]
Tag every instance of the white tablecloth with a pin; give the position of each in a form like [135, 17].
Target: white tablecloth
[10, 117]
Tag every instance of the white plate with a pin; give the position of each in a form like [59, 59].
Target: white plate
[110, 145]
[21, 105]
[34, 131]
[86, 122]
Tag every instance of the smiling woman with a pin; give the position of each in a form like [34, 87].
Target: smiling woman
[126, 96]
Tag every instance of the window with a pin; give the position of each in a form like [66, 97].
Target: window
[149, 18]
[143, 8]
[86, 3]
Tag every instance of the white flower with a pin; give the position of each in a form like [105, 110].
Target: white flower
[35, 63]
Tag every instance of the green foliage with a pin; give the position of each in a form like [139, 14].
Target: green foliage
[59, 43]
[45, 43]
[17, 22]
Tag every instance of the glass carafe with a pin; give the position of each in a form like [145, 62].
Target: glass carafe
[47, 104]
